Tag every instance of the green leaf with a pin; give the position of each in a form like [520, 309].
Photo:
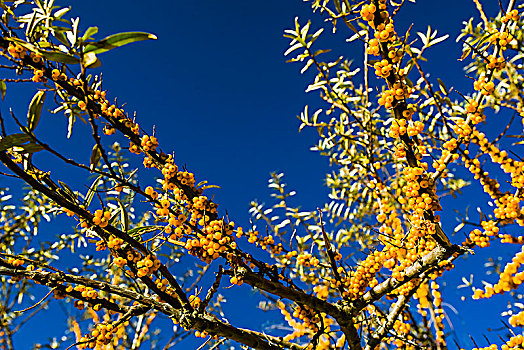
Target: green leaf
[3, 88]
[89, 32]
[95, 157]
[13, 140]
[35, 110]
[91, 192]
[68, 191]
[442, 87]
[31, 147]
[124, 217]
[57, 56]
[117, 40]
[138, 231]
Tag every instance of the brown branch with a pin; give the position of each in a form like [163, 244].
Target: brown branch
[420, 266]
[393, 315]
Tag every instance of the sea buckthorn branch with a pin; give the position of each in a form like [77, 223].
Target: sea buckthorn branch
[339, 313]
[120, 180]
[479, 98]
[430, 88]
[164, 270]
[392, 316]
[377, 16]
[196, 320]
[422, 265]
[34, 183]
[60, 277]
[55, 280]
[123, 127]
[98, 142]
[330, 254]
[212, 291]
[112, 230]
[276, 340]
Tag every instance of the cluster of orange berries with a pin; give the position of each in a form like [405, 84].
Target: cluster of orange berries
[502, 39]
[517, 320]
[82, 105]
[373, 47]
[512, 15]
[368, 12]
[513, 343]
[120, 261]
[491, 186]
[508, 165]
[101, 335]
[479, 238]
[475, 113]
[114, 242]
[400, 150]
[149, 143]
[147, 266]
[162, 284]
[15, 261]
[398, 92]
[162, 208]
[86, 292]
[308, 316]
[108, 130]
[16, 51]
[462, 129]
[169, 171]
[286, 258]
[485, 86]
[268, 242]
[194, 301]
[357, 281]
[307, 260]
[203, 334]
[495, 63]
[508, 208]
[237, 280]
[110, 110]
[151, 192]
[412, 175]
[415, 128]
[38, 76]
[134, 148]
[509, 278]
[439, 313]
[216, 239]
[383, 68]
[56, 75]
[101, 217]
[405, 341]
[385, 32]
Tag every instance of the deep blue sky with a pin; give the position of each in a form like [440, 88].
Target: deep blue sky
[216, 86]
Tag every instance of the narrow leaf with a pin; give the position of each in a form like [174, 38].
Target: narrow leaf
[57, 56]
[95, 157]
[3, 88]
[35, 110]
[91, 192]
[13, 140]
[89, 32]
[117, 40]
[124, 217]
